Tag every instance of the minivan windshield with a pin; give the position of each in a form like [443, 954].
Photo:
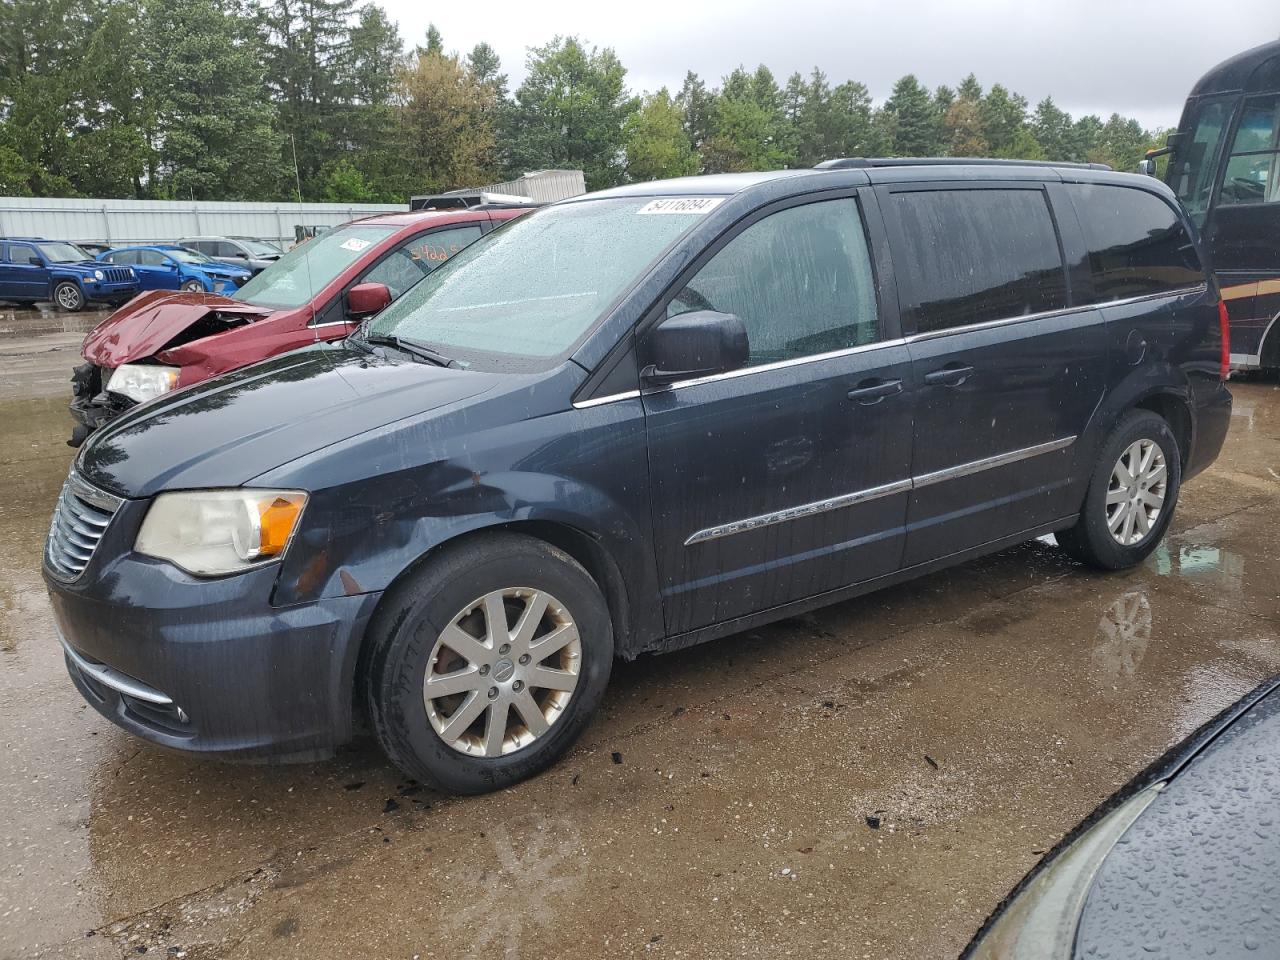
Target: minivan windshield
[532, 289]
[309, 267]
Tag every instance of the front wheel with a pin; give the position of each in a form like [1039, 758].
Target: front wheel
[68, 296]
[193, 286]
[487, 663]
[1131, 497]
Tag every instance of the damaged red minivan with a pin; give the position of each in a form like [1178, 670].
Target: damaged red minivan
[321, 290]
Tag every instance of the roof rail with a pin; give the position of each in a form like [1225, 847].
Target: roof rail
[846, 163]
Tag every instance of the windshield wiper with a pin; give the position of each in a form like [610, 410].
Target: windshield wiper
[412, 347]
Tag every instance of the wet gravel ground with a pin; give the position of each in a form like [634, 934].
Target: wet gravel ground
[866, 781]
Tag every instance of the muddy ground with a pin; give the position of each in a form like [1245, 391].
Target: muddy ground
[866, 781]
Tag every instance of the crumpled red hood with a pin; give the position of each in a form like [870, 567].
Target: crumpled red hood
[149, 321]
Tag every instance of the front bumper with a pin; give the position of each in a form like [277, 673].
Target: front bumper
[110, 292]
[208, 666]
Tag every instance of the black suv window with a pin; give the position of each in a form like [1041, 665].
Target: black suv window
[977, 255]
[799, 279]
[1138, 246]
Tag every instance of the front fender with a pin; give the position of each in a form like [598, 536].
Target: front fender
[582, 470]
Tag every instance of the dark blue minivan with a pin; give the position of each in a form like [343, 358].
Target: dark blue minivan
[630, 422]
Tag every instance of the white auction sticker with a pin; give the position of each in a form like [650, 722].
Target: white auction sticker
[682, 205]
[355, 244]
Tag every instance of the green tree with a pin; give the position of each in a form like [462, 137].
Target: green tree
[656, 145]
[447, 121]
[1003, 115]
[342, 182]
[215, 126]
[486, 69]
[911, 120]
[373, 115]
[1052, 129]
[309, 55]
[697, 107]
[570, 112]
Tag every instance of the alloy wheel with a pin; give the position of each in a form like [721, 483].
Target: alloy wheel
[68, 297]
[502, 672]
[1135, 495]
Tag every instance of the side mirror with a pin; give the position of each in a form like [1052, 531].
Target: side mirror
[1148, 167]
[696, 344]
[366, 299]
[35, 261]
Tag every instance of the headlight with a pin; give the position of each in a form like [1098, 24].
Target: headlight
[212, 532]
[1040, 922]
[142, 381]
[98, 274]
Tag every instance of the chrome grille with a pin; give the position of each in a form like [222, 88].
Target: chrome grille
[79, 520]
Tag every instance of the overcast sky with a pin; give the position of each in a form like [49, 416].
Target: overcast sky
[1136, 57]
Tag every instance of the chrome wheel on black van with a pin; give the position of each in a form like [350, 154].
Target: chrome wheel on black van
[1131, 495]
[488, 662]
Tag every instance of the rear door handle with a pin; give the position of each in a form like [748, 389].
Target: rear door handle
[949, 376]
[873, 391]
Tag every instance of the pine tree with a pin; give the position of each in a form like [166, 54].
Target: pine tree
[912, 121]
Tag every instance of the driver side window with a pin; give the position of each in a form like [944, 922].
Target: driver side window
[1253, 170]
[800, 280]
[409, 263]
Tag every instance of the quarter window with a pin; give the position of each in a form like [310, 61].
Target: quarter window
[1253, 169]
[973, 256]
[1138, 246]
[412, 261]
[800, 280]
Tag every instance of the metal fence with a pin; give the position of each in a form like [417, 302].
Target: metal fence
[119, 222]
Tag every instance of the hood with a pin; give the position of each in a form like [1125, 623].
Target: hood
[223, 269]
[263, 416]
[147, 323]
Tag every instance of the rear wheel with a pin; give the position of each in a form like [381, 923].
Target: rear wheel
[68, 296]
[487, 663]
[1131, 497]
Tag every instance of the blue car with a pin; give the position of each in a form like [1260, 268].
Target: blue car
[34, 269]
[171, 267]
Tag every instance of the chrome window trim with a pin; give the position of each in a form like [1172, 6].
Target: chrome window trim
[1046, 314]
[875, 493]
[793, 362]
[609, 398]
[795, 513]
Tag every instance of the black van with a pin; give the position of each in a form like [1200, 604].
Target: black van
[630, 422]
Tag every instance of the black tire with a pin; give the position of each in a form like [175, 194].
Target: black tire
[193, 286]
[1090, 540]
[68, 296]
[412, 616]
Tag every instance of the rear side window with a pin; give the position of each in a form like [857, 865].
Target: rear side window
[972, 256]
[800, 280]
[1138, 245]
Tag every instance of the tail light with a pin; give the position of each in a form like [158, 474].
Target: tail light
[1224, 322]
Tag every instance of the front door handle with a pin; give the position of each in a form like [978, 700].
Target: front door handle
[949, 376]
[873, 391]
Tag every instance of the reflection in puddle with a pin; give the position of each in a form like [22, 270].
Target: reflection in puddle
[1123, 634]
[1214, 566]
